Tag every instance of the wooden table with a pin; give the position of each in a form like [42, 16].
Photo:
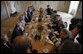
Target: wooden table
[40, 45]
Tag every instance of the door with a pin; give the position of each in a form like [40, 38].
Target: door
[73, 7]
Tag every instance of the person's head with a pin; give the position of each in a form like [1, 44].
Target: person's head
[52, 30]
[64, 33]
[34, 51]
[60, 23]
[32, 6]
[21, 44]
[55, 12]
[57, 17]
[21, 17]
[69, 46]
[48, 6]
[65, 24]
[4, 38]
[19, 25]
[29, 9]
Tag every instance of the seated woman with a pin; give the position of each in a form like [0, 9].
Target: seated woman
[18, 30]
[54, 14]
[53, 38]
[74, 21]
[6, 47]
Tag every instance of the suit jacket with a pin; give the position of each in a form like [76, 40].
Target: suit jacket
[29, 15]
[27, 19]
[33, 9]
[48, 11]
[16, 32]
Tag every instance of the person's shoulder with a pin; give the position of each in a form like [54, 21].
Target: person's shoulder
[47, 9]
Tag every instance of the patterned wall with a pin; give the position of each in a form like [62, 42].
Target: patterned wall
[22, 5]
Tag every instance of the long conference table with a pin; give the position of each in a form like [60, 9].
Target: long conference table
[43, 45]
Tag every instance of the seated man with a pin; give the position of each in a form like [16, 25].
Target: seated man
[22, 19]
[29, 13]
[69, 46]
[26, 18]
[48, 10]
[64, 34]
[6, 47]
[56, 19]
[59, 26]
[22, 44]
[54, 14]
[32, 8]
[51, 33]
[18, 30]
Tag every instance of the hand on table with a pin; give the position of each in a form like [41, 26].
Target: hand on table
[22, 28]
[56, 32]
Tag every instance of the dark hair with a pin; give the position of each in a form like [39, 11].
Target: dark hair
[48, 5]
[21, 43]
[69, 46]
[34, 51]
[57, 15]
[74, 21]
[55, 11]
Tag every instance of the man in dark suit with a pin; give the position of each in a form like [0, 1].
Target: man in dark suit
[18, 30]
[29, 13]
[32, 8]
[48, 10]
[26, 17]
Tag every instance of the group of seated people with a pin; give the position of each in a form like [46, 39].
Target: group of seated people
[60, 27]
[19, 30]
[20, 26]
[58, 30]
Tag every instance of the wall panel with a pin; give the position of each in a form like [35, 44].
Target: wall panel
[23, 5]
